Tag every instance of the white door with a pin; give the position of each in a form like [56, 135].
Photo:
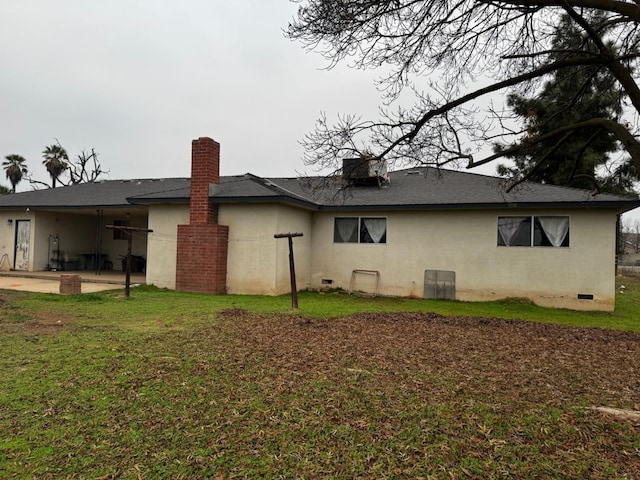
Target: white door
[23, 233]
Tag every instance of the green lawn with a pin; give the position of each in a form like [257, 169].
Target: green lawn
[176, 385]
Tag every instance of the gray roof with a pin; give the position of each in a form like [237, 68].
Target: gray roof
[102, 194]
[415, 188]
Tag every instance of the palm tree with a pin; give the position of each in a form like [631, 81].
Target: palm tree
[55, 160]
[14, 168]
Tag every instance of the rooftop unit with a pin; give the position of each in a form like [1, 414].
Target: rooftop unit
[364, 171]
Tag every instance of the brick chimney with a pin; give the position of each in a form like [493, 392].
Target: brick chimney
[205, 170]
[201, 259]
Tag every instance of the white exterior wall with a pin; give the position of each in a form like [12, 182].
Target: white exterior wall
[75, 234]
[162, 243]
[257, 263]
[461, 241]
[466, 242]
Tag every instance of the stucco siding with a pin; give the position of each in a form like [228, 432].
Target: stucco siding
[72, 234]
[466, 243]
[162, 243]
[292, 220]
[258, 263]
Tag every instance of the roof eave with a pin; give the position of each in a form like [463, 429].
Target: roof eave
[622, 206]
[69, 207]
[228, 200]
[267, 199]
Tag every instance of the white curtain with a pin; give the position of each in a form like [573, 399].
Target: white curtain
[509, 227]
[347, 228]
[376, 227]
[555, 228]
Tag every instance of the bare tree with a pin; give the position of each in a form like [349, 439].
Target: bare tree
[453, 57]
[85, 168]
[631, 237]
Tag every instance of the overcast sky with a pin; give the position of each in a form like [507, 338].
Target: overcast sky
[138, 80]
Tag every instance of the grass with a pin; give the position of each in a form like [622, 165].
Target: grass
[177, 385]
[150, 302]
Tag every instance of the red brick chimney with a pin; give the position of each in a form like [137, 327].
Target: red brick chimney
[201, 259]
[205, 170]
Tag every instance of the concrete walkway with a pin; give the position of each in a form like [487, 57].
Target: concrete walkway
[49, 282]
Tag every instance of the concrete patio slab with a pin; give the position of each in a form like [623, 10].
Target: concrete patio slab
[49, 282]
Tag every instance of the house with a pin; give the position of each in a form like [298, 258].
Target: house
[419, 232]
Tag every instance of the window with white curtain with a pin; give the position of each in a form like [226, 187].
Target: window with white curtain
[551, 232]
[514, 231]
[360, 230]
[345, 230]
[536, 231]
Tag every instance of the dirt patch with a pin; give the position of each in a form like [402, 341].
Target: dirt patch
[35, 323]
[46, 323]
[510, 360]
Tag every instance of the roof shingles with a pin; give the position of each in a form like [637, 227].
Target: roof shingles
[416, 188]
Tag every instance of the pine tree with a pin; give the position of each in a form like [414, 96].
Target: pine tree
[575, 94]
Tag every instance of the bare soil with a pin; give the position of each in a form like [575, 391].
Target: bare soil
[512, 361]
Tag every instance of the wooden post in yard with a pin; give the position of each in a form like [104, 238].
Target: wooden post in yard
[292, 267]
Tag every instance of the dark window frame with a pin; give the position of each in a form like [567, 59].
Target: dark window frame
[360, 234]
[530, 232]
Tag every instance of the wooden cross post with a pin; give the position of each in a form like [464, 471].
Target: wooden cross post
[292, 267]
[128, 231]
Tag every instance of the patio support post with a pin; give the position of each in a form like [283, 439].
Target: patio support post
[127, 284]
[98, 250]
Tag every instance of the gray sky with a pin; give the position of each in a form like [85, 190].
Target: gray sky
[138, 80]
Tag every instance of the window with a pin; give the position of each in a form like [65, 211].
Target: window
[542, 231]
[551, 232]
[360, 230]
[120, 234]
[514, 231]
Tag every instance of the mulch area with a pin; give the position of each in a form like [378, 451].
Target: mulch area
[509, 360]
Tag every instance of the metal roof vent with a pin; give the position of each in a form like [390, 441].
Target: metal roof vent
[365, 170]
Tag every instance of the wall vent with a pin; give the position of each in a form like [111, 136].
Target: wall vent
[585, 296]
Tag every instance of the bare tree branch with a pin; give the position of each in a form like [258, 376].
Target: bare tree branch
[507, 42]
[620, 131]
